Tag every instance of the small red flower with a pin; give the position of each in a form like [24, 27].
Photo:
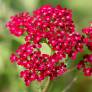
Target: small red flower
[87, 71]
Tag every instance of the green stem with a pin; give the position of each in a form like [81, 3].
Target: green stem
[69, 85]
[71, 82]
[47, 85]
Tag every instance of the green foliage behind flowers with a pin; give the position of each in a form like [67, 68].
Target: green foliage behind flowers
[9, 79]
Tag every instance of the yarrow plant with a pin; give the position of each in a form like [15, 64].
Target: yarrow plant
[53, 26]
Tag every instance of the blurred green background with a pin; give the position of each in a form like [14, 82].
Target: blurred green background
[9, 79]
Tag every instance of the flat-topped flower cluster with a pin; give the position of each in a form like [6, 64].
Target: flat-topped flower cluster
[55, 27]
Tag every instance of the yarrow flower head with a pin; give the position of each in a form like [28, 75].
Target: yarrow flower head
[54, 27]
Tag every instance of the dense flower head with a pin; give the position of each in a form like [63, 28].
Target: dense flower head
[38, 65]
[47, 18]
[17, 25]
[54, 27]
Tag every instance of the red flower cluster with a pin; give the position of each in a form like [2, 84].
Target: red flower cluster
[53, 26]
[88, 39]
[18, 23]
[86, 65]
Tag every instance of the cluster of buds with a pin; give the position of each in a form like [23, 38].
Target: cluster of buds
[54, 27]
